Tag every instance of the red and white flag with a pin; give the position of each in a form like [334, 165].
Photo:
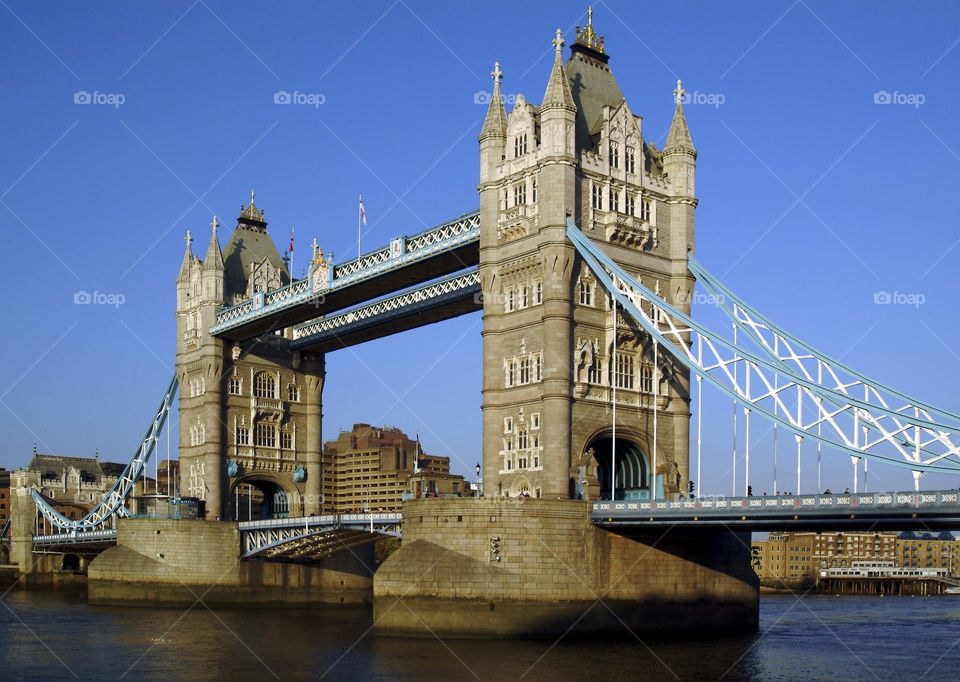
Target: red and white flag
[363, 214]
[291, 239]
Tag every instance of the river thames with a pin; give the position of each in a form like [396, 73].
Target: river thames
[47, 636]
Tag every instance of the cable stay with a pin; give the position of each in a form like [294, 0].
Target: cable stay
[113, 503]
[717, 359]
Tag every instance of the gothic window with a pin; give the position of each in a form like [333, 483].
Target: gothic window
[265, 386]
[624, 371]
[520, 193]
[293, 393]
[615, 154]
[534, 190]
[595, 372]
[520, 145]
[265, 436]
[537, 292]
[631, 159]
[511, 299]
[523, 440]
[598, 197]
[614, 199]
[631, 205]
[525, 370]
[506, 199]
[524, 296]
[198, 434]
[511, 372]
[646, 377]
[586, 293]
[538, 367]
[243, 435]
[197, 386]
[286, 440]
[535, 422]
[234, 386]
[508, 424]
[645, 210]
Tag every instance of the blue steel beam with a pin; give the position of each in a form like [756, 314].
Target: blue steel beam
[405, 262]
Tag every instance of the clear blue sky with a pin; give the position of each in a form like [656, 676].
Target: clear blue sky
[97, 197]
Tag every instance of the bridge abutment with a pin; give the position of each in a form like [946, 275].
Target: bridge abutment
[540, 568]
[167, 561]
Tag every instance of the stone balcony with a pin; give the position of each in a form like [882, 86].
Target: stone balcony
[267, 407]
[625, 230]
[517, 221]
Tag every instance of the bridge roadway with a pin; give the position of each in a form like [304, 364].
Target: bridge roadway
[406, 262]
[934, 510]
[284, 538]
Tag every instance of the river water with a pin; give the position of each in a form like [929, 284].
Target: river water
[49, 636]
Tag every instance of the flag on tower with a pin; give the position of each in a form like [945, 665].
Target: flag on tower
[361, 219]
[291, 240]
[363, 214]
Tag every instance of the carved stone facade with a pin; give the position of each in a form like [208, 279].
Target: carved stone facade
[250, 413]
[549, 330]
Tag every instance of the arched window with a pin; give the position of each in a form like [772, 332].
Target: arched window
[264, 386]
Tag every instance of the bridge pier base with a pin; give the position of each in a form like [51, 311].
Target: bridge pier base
[539, 568]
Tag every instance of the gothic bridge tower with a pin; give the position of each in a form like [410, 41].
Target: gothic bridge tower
[250, 413]
[549, 333]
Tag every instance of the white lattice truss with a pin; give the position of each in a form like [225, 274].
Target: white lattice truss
[776, 381]
[435, 290]
[315, 535]
[402, 251]
[114, 502]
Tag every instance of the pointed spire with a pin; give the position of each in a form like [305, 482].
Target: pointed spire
[679, 136]
[558, 94]
[184, 275]
[214, 257]
[495, 124]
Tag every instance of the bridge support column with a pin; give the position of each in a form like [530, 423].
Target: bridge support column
[490, 567]
[314, 367]
[23, 511]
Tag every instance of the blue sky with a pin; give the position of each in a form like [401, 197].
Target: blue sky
[813, 196]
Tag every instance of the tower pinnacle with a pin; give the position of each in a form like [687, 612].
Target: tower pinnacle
[679, 136]
[495, 123]
[679, 93]
[214, 258]
[184, 275]
[588, 37]
[558, 89]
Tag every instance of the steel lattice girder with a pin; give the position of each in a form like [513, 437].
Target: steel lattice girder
[675, 331]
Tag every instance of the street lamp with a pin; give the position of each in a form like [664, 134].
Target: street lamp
[479, 480]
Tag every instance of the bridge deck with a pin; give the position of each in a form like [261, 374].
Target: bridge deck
[938, 510]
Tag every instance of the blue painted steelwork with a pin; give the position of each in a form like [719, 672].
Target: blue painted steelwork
[458, 287]
[113, 503]
[678, 346]
[401, 252]
[884, 510]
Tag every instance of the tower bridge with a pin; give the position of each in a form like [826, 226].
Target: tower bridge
[581, 259]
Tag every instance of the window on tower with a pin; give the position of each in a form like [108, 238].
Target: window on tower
[265, 386]
[646, 377]
[520, 193]
[624, 371]
[265, 435]
[293, 393]
[597, 197]
[586, 293]
[243, 435]
[645, 210]
[631, 205]
[234, 386]
[631, 160]
[614, 199]
[615, 154]
[520, 145]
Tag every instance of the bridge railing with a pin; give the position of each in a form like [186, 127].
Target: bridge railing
[75, 537]
[783, 503]
[321, 520]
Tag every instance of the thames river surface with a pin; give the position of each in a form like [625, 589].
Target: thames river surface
[47, 636]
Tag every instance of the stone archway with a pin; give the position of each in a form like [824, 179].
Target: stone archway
[521, 487]
[255, 497]
[632, 467]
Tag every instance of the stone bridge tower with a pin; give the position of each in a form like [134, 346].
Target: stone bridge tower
[549, 332]
[250, 413]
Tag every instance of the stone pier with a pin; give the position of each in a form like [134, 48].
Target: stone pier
[168, 561]
[493, 568]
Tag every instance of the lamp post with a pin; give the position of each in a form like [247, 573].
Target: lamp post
[479, 480]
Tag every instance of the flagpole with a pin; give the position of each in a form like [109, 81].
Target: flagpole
[359, 219]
